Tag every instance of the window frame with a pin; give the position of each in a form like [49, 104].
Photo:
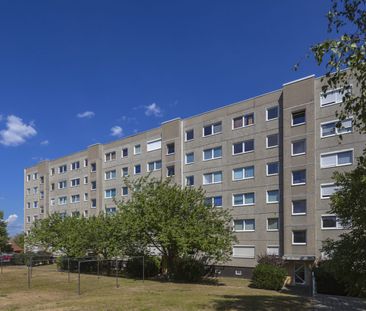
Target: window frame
[243, 195]
[337, 160]
[212, 153]
[268, 108]
[278, 224]
[185, 135]
[299, 243]
[336, 132]
[243, 246]
[243, 147]
[278, 168]
[326, 184]
[292, 208]
[244, 225]
[338, 224]
[292, 147]
[292, 117]
[135, 148]
[292, 178]
[243, 169]
[212, 177]
[185, 158]
[243, 117]
[274, 146]
[212, 125]
[273, 202]
[112, 196]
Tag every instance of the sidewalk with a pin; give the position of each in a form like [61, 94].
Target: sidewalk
[339, 303]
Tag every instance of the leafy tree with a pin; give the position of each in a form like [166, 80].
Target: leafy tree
[176, 221]
[19, 239]
[4, 238]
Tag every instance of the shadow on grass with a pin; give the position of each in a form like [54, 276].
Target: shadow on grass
[204, 281]
[261, 302]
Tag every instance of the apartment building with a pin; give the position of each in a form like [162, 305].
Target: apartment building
[268, 159]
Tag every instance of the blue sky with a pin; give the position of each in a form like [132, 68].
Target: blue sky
[73, 73]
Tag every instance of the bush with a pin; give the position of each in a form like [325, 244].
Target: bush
[326, 281]
[189, 269]
[272, 260]
[268, 276]
[151, 264]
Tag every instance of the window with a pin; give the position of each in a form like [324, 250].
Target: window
[328, 129]
[75, 214]
[94, 185]
[273, 196]
[124, 171]
[272, 141]
[189, 180]
[273, 250]
[154, 166]
[110, 193]
[242, 121]
[28, 177]
[63, 215]
[189, 158]
[94, 167]
[35, 190]
[75, 182]
[243, 147]
[28, 219]
[326, 190]
[170, 148]
[238, 272]
[243, 173]
[62, 169]
[189, 135]
[298, 118]
[110, 175]
[85, 162]
[42, 194]
[52, 202]
[137, 149]
[242, 251]
[170, 171]
[298, 147]
[86, 197]
[28, 205]
[299, 177]
[85, 180]
[35, 176]
[333, 159]
[272, 113]
[299, 237]
[52, 171]
[42, 179]
[35, 204]
[299, 207]
[124, 191]
[154, 145]
[93, 203]
[272, 224]
[110, 210]
[212, 178]
[244, 225]
[75, 198]
[272, 168]
[212, 129]
[214, 201]
[52, 186]
[28, 191]
[137, 169]
[331, 222]
[212, 153]
[62, 184]
[62, 200]
[331, 97]
[75, 165]
[124, 152]
[110, 156]
[244, 199]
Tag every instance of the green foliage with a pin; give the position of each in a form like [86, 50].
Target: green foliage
[175, 220]
[273, 260]
[151, 265]
[189, 269]
[267, 276]
[4, 238]
[326, 280]
[19, 239]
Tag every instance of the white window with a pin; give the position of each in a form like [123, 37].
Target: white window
[272, 113]
[243, 121]
[273, 250]
[137, 149]
[154, 166]
[28, 177]
[86, 197]
[124, 153]
[124, 191]
[238, 272]
[243, 147]
[330, 222]
[330, 128]
[189, 157]
[35, 204]
[242, 199]
[94, 185]
[28, 205]
[93, 203]
[326, 190]
[93, 167]
[170, 148]
[272, 224]
[28, 219]
[28, 191]
[137, 169]
[299, 237]
[75, 198]
[85, 162]
[299, 207]
[62, 184]
[35, 190]
[75, 182]
[298, 147]
[212, 178]
[214, 201]
[243, 173]
[243, 251]
[110, 193]
[212, 129]
[52, 202]
[244, 225]
[110, 156]
[272, 141]
[339, 158]
[298, 177]
[75, 165]
[273, 196]
[189, 135]
[35, 176]
[298, 118]
[62, 200]
[110, 210]
[190, 180]
[124, 171]
[154, 145]
[110, 175]
[331, 97]
[85, 180]
[272, 168]
[212, 153]
[62, 169]
[170, 170]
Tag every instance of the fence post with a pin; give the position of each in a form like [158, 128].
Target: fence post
[143, 268]
[98, 268]
[68, 269]
[29, 277]
[117, 285]
[31, 264]
[78, 277]
[1, 263]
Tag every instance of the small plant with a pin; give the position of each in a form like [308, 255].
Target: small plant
[189, 269]
[268, 276]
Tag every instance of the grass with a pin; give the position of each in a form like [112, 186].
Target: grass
[50, 290]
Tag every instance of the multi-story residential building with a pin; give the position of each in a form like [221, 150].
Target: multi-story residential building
[268, 159]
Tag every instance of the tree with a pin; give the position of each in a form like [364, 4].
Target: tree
[4, 238]
[19, 239]
[176, 221]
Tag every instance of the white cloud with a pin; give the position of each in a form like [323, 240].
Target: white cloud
[86, 114]
[153, 110]
[44, 142]
[12, 218]
[16, 131]
[116, 131]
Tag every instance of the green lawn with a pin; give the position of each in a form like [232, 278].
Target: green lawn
[50, 290]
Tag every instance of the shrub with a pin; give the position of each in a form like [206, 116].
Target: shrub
[272, 260]
[189, 269]
[326, 281]
[268, 276]
[151, 264]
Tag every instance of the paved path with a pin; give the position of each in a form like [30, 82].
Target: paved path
[339, 303]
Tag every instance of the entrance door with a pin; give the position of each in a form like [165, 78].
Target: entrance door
[299, 273]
